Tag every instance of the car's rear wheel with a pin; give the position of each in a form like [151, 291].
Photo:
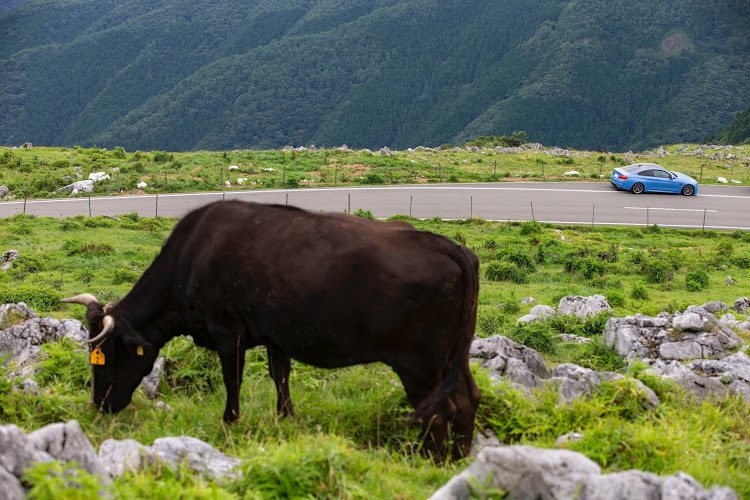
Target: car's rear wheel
[637, 188]
[688, 190]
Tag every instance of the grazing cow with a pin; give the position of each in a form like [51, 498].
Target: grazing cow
[330, 290]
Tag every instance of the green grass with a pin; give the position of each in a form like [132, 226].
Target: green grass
[39, 172]
[351, 436]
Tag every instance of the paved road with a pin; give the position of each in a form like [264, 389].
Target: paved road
[721, 207]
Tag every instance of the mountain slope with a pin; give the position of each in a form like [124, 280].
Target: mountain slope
[737, 132]
[186, 74]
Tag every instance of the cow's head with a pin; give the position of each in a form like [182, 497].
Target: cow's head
[120, 357]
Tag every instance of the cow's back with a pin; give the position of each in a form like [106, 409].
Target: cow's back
[330, 289]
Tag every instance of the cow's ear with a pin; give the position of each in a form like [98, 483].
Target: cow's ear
[133, 338]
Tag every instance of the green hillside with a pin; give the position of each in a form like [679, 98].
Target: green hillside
[187, 75]
[737, 132]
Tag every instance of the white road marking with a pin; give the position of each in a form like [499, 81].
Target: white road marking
[673, 209]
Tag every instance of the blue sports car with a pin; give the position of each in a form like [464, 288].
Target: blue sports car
[650, 177]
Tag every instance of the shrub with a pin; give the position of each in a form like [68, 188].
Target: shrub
[372, 178]
[696, 280]
[657, 270]
[589, 326]
[587, 267]
[521, 259]
[69, 225]
[535, 335]
[595, 355]
[161, 156]
[530, 227]
[639, 292]
[28, 264]
[616, 298]
[291, 182]
[63, 364]
[132, 217]
[489, 323]
[725, 247]
[37, 297]
[741, 261]
[365, 214]
[119, 152]
[505, 271]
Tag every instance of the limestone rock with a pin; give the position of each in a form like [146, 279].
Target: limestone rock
[530, 473]
[583, 306]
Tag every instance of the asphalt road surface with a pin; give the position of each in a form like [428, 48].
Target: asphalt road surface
[716, 207]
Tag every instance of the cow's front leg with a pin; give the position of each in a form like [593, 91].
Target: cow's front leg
[232, 367]
[279, 366]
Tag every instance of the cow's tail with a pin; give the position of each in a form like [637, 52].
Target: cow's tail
[459, 355]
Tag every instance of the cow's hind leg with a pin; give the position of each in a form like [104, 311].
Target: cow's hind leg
[279, 366]
[467, 397]
[435, 410]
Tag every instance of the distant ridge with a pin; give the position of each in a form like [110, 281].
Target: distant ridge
[184, 75]
[737, 132]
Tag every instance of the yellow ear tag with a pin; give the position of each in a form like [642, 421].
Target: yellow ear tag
[97, 357]
[139, 350]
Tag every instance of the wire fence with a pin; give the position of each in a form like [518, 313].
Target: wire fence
[421, 204]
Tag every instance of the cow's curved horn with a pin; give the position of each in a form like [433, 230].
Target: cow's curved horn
[109, 325]
[84, 298]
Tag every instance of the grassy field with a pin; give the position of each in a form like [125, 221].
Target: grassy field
[351, 437]
[41, 172]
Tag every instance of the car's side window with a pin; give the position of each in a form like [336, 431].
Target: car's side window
[646, 173]
[662, 174]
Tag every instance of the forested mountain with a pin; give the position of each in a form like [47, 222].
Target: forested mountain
[189, 74]
[737, 132]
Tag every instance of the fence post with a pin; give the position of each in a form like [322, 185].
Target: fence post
[593, 210]
[349, 203]
[165, 181]
[471, 207]
[24, 202]
[440, 173]
[221, 178]
[118, 182]
[532, 210]
[386, 172]
[336, 174]
[704, 221]
[89, 204]
[701, 178]
[286, 202]
[601, 166]
[646, 216]
[411, 199]
[283, 176]
[157, 206]
[494, 174]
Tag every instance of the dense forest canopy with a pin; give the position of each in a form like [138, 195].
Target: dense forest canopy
[186, 74]
[737, 132]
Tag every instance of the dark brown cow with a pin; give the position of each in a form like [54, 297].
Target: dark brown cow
[330, 290]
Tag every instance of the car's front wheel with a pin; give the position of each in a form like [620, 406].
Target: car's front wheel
[637, 188]
[688, 190]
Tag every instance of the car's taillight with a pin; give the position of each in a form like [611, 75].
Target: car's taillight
[622, 177]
